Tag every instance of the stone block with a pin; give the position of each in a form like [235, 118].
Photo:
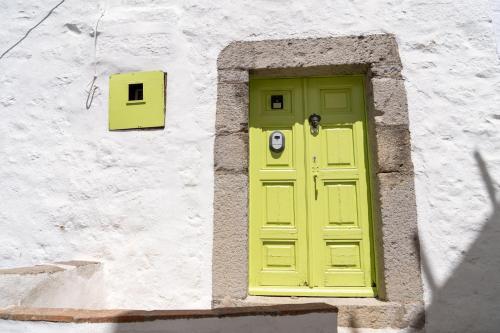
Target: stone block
[400, 237]
[232, 107]
[393, 149]
[237, 55]
[231, 152]
[386, 69]
[389, 101]
[288, 53]
[233, 76]
[230, 255]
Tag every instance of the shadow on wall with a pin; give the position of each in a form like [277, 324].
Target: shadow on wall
[469, 301]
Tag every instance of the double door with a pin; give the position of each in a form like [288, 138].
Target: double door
[309, 202]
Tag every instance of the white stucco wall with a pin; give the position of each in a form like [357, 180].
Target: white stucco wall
[141, 201]
[60, 285]
[495, 6]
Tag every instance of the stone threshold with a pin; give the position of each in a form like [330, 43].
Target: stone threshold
[334, 301]
[129, 316]
[352, 312]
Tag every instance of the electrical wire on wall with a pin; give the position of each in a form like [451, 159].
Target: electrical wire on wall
[31, 29]
[93, 87]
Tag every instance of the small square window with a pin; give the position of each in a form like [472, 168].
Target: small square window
[277, 102]
[135, 92]
[137, 100]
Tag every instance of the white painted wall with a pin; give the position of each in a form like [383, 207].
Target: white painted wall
[141, 202]
[495, 6]
[70, 286]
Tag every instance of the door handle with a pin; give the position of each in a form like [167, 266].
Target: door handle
[315, 178]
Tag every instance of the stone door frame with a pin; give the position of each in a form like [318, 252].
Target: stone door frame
[396, 244]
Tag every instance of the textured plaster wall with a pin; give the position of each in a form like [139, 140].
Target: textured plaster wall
[141, 201]
[495, 6]
[59, 285]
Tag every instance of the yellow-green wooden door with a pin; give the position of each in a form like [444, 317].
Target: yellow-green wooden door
[309, 211]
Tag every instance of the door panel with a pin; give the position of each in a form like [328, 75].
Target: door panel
[338, 147]
[342, 208]
[278, 248]
[339, 218]
[309, 216]
[278, 200]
